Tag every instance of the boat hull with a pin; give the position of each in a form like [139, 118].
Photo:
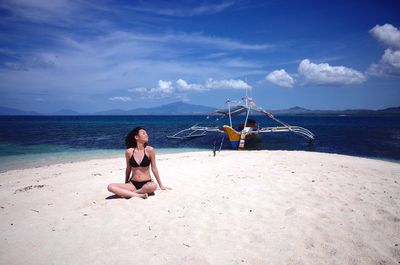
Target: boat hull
[234, 136]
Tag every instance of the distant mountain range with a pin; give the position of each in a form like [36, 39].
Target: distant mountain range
[12, 111]
[176, 108]
[302, 111]
[182, 108]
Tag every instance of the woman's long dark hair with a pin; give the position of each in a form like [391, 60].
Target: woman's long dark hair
[130, 141]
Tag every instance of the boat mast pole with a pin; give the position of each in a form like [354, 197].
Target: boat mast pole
[229, 111]
[248, 109]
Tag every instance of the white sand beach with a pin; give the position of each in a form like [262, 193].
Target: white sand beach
[247, 207]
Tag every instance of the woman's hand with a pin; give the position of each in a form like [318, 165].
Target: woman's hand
[165, 188]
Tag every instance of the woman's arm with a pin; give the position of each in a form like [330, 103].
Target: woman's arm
[128, 166]
[154, 168]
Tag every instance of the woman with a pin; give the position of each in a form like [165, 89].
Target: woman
[139, 157]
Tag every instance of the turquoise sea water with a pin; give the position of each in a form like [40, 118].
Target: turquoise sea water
[42, 155]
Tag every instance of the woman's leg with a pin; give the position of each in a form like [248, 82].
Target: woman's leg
[125, 190]
[149, 187]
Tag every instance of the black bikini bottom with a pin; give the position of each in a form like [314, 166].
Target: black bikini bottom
[139, 184]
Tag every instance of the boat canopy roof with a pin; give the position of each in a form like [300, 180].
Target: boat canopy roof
[238, 109]
[235, 110]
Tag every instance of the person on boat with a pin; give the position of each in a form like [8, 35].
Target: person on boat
[139, 158]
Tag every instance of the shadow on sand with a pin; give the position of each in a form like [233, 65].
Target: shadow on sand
[111, 197]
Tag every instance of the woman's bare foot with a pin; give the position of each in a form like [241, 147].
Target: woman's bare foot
[143, 196]
[135, 194]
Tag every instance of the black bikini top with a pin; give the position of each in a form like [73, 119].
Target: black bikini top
[145, 161]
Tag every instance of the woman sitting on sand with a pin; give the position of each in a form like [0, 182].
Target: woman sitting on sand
[140, 184]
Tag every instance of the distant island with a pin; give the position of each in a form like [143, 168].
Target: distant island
[182, 108]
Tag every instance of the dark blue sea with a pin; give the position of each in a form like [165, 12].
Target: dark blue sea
[28, 141]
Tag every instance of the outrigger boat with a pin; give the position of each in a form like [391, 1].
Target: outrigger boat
[245, 131]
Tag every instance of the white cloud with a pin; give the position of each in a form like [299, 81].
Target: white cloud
[166, 88]
[383, 69]
[216, 42]
[387, 34]
[227, 84]
[57, 12]
[120, 99]
[74, 14]
[178, 11]
[193, 39]
[392, 58]
[163, 90]
[389, 65]
[280, 78]
[184, 86]
[213, 84]
[324, 74]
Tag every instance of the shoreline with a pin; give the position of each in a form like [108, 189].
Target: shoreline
[254, 207]
[41, 160]
[36, 160]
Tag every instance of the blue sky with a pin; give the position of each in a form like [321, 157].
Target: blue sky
[98, 55]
